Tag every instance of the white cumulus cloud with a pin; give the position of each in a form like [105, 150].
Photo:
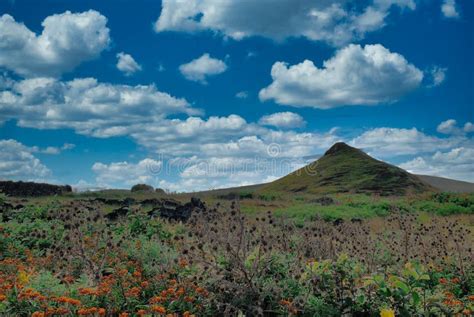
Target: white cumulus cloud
[335, 22]
[356, 75]
[390, 142]
[457, 163]
[126, 174]
[201, 68]
[18, 163]
[438, 75]
[86, 105]
[450, 126]
[283, 120]
[127, 64]
[67, 40]
[449, 9]
[468, 127]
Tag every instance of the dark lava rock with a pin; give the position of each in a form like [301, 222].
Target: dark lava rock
[174, 210]
[323, 201]
[338, 222]
[117, 213]
[30, 189]
[111, 201]
[5, 210]
[151, 201]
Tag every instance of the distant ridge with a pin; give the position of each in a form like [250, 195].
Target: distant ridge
[346, 169]
[448, 185]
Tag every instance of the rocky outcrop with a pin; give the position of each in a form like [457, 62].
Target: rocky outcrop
[174, 210]
[30, 189]
[167, 208]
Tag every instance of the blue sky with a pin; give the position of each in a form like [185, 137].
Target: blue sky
[219, 93]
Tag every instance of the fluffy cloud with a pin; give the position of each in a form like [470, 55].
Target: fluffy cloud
[335, 22]
[126, 174]
[449, 9]
[126, 64]
[17, 163]
[468, 127]
[67, 40]
[438, 75]
[142, 113]
[283, 120]
[458, 163]
[85, 105]
[201, 68]
[221, 172]
[390, 142]
[354, 76]
[450, 126]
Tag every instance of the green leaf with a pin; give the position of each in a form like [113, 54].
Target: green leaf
[404, 287]
[416, 298]
[378, 279]
[425, 277]
[360, 299]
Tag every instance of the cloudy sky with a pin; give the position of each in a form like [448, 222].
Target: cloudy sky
[189, 95]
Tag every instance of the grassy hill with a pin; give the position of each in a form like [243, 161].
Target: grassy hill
[347, 169]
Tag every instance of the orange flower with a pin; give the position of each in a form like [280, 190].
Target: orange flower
[467, 312]
[137, 274]
[133, 292]
[2, 297]
[443, 280]
[83, 311]
[38, 314]
[201, 291]
[101, 312]
[158, 309]
[122, 272]
[189, 299]
[285, 302]
[141, 312]
[156, 299]
[88, 291]
[56, 311]
[124, 314]
[455, 280]
[144, 284]
[183, 263]
[180, 291]
[68, 300]
[471, 298]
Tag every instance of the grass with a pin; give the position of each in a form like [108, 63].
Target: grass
[303, 208]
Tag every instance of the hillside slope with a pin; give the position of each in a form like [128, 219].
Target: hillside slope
[448, 185]
[346, 169]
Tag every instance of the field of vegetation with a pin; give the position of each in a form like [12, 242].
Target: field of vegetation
[245, 254]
